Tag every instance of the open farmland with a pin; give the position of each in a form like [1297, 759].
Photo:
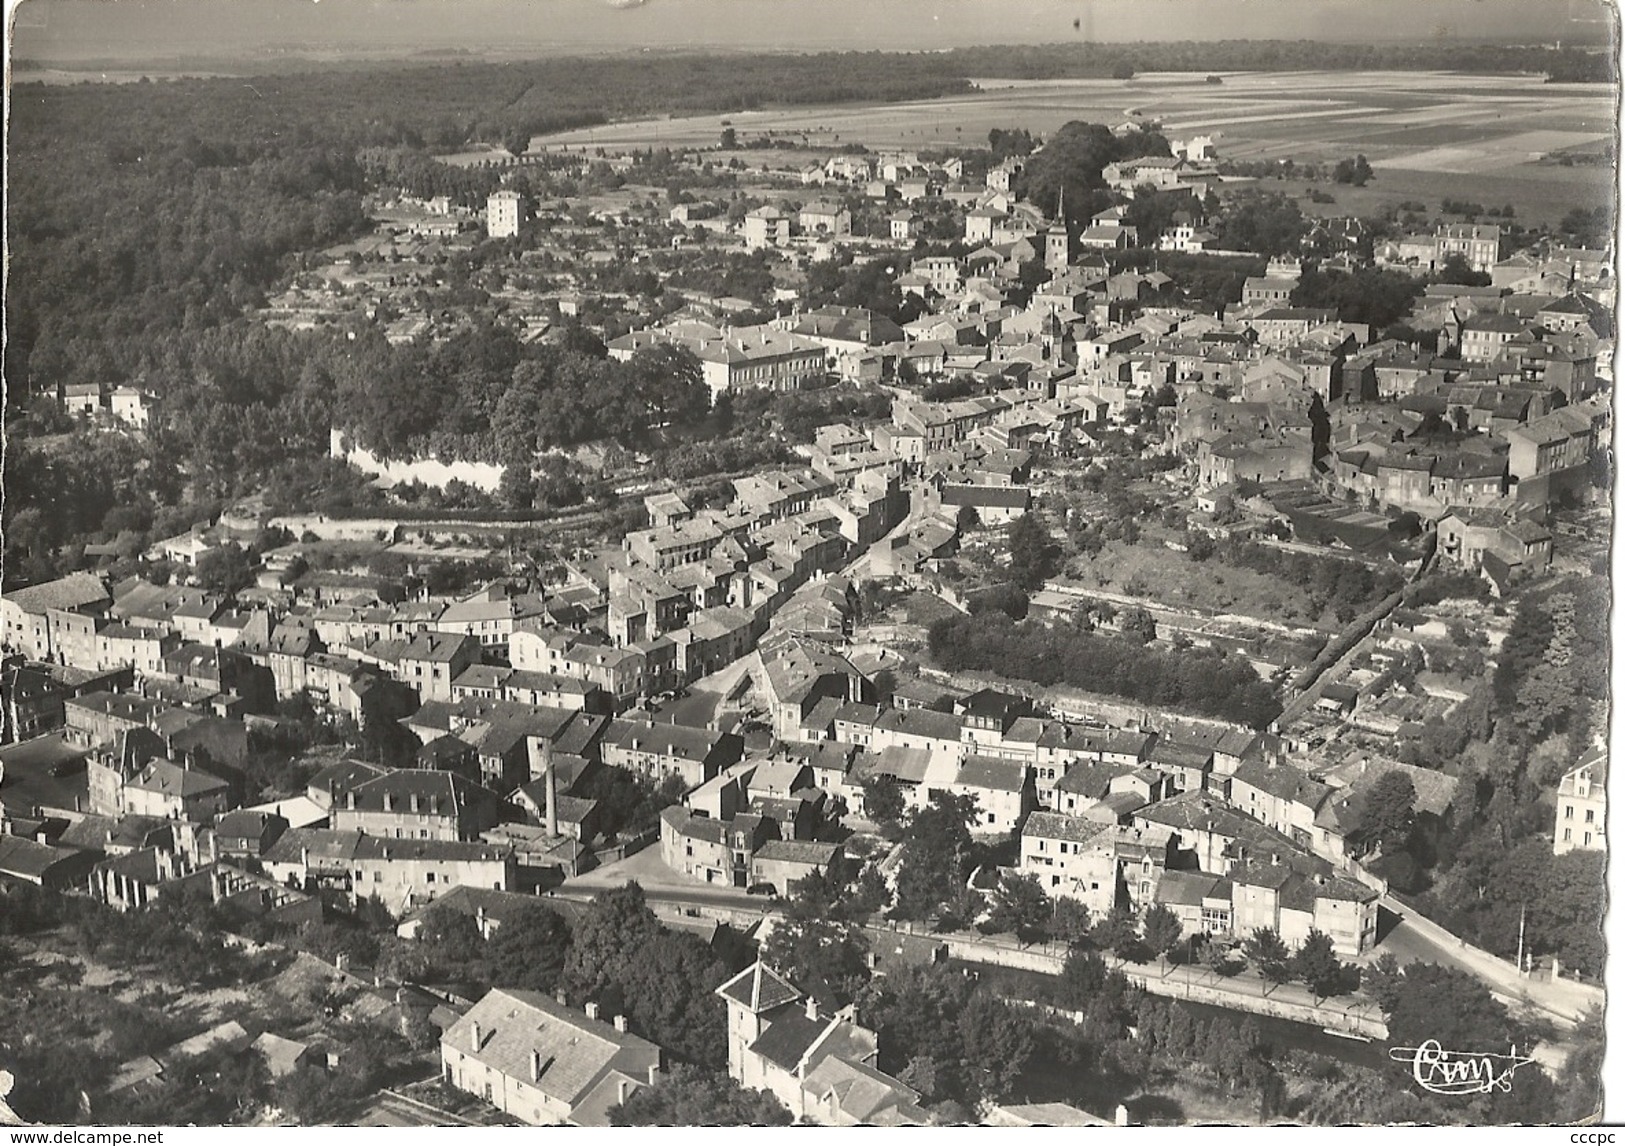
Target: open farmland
[1429, 135]
[1540, 194]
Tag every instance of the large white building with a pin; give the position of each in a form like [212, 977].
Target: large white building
[504, 210]
[538, 1061]
[1581, 807]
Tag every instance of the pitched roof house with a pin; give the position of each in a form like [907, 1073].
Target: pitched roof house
[541, 1062]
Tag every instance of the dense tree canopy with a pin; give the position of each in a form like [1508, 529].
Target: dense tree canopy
[816, 943]
[688, 1096]
[662, 981]
[956, 1041]
[1369, 295]
[1071, 162]
[1267, 223]
[936, 856]
[1200, 680]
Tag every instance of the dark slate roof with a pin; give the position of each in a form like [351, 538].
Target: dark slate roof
[20, 857]
[759, 988]
[1282, 782]
[787, 1039]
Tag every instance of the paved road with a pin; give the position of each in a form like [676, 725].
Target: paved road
[1414, 938]
[916, 512]
[391, 1109]
[696, 710]
[660, 884]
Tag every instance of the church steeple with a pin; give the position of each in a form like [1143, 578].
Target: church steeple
[1057, 243]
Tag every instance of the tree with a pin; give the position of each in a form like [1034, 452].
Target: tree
[976, 1046]
[815, 944]
[1138, 625]
[1009, 599]
[529, 950]
[1161, 930]
[666, 989]
[1071, 161]
[1315, 965]
[449, 940]
[517, 489]
[1381, 980]
[1083, 976]
[870, 893]
[729, 139]
[1119, 934]
[1216, 958]
[688, 1096]
[883, 800]
[1033, 554]
[1452, 1006]
[935, 856]
[1150, 213]
[998, 1044]
[1005, 142]
[921, 1074]
[1070, 923]
[967, 520]
[1268, 955]
[1265, 223]
[1356, 171]
[1388, 811]
[1020, 907]
[1199, 546]
[226, 569]
[1457, 271]
[1582, 1072]
[616, 923]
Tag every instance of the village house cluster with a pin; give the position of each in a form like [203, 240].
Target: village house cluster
[131, 710]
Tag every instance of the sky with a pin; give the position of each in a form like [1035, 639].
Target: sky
[66, 30]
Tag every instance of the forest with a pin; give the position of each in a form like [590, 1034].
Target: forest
[1098, 60]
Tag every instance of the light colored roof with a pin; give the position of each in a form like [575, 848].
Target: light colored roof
[991, 774]
[169, 779]
[1056, 826]
[71, 592]
[574, 1051]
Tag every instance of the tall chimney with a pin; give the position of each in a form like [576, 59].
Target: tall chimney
[552, 790]
[592, 1011]
[620, 1023]
[535, 1065]
[475, 1037]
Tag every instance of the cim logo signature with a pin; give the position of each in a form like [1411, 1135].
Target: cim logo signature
[1439, 1071]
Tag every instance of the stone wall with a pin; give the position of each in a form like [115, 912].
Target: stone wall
[430, 471]
[1349, 1015]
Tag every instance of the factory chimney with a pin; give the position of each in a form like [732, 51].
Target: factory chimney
[552, 789]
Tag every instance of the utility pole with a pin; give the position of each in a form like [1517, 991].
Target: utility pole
[1522, 911]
